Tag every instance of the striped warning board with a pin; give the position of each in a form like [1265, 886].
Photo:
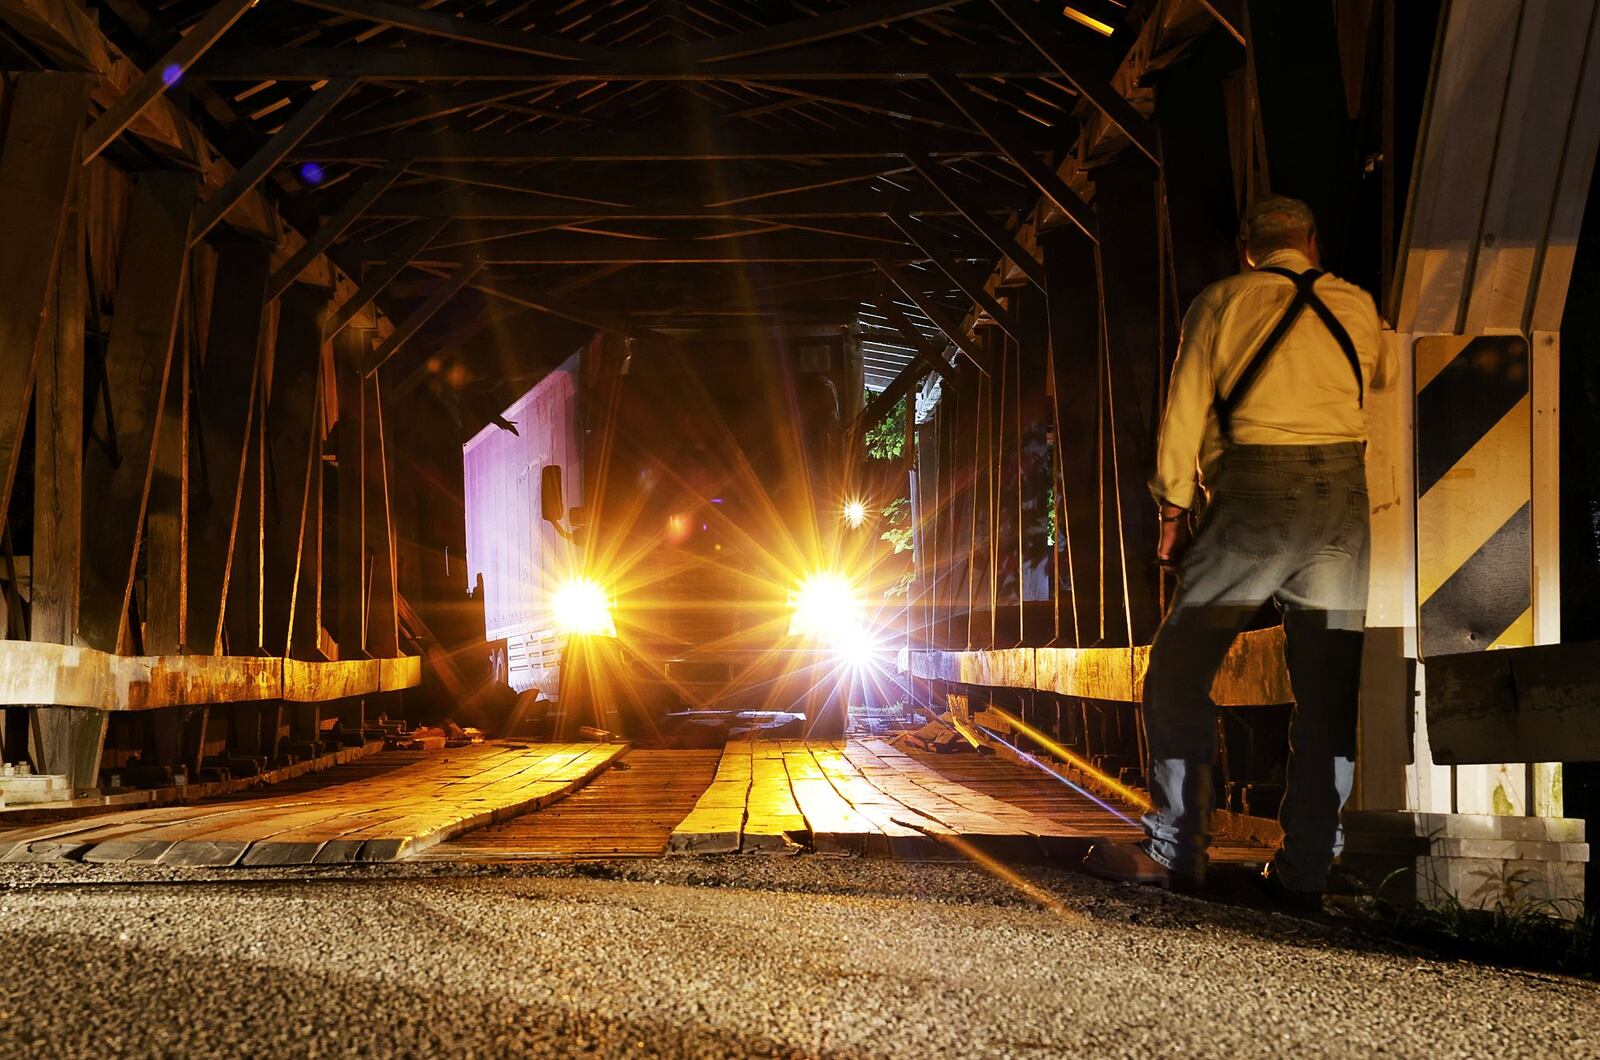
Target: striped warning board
[1474, 491]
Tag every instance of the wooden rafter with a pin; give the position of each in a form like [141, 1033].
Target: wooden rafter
[268, 156]
[163, 73]
[969, 286]
[1030, 21]
[991, 230]
[333, 228]
[832, 61]
[1021, 155]
[380, 277]
[465, 30]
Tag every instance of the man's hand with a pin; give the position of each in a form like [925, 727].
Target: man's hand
[1177, 532]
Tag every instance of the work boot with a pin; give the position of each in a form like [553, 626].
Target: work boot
[1128, 863]
[1306, 903]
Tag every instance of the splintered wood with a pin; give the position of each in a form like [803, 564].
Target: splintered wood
[862, 798]
[376, 818]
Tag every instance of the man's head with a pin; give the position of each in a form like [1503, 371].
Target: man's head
[1278, 223]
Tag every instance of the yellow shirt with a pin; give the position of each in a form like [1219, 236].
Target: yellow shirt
[1304, 395]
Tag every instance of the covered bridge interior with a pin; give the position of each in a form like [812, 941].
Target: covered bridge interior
[266, 264]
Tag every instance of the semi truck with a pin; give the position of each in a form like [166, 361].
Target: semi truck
[656, 532]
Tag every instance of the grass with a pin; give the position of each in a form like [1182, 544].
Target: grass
[1524, 933]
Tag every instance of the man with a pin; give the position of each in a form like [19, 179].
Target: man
[1265, 411]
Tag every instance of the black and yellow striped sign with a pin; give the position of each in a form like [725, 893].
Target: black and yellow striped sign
[1474, 492]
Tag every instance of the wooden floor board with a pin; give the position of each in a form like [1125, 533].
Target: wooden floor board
[390, 810]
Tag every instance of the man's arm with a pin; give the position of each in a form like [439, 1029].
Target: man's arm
[1189, 400]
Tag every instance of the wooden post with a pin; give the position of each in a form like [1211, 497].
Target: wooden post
[38, 161]
[61, 740]
[1034, 471]
[229, 378]
[293, 439]
[138, 356]
[1074, 358]
[382, 633]
[1131, 291]
[349, 354]
[246, 580]
[167, 525]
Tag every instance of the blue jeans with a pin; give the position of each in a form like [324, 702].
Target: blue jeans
[1291, 524]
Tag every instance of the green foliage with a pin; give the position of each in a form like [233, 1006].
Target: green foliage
[886, 439]
[897, 516]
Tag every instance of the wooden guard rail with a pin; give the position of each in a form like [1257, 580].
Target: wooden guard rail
[65, 676]
[1253, 674]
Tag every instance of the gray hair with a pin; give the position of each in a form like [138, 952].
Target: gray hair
[1276, 223]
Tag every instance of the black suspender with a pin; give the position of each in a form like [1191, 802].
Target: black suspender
[1304, 296]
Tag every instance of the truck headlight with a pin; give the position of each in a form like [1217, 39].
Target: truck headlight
[826, 607]
[580, 608]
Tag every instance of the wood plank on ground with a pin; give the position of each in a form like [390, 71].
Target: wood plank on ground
[628, 811]
[716, 823]
[773, 821]
[379, 817]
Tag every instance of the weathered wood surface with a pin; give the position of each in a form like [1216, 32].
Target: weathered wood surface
[625, 812]
[378, 817]
[37, 166]
[867, 798]
[1515, 704]
[72, 676]
[150, 284]
[1252, 674]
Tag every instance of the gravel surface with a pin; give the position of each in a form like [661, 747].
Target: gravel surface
[754, 956]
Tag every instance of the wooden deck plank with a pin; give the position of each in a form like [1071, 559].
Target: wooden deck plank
[383, 814]
[629, 811]
[716, 823]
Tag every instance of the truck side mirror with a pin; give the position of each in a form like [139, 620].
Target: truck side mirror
[552, 506]
[578, 516]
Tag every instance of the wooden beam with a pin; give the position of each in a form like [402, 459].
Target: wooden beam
[443, 292]
[943, 182]
[960, 277]
[229, 378]
[1528, 704]
[61, 740]
[595, 250]
[150, 283]
[926, 351]
[852, 18]
[333, 228]
[1030, 21]
[166, 549]
[163, 73]
[380, 277]
[382, 632]
[670, 143]
[418, 105]
[349, 440]
[36, 185]
[467, 31]
[830, 61]
[71, 676]
[823, 204]
[1020, 155]
[940, 315]
[292, 550]
[269, 155]
[300, 335]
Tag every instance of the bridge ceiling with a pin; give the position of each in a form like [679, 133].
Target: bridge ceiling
[616, 161]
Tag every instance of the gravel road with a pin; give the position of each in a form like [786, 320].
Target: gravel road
[733, 957]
